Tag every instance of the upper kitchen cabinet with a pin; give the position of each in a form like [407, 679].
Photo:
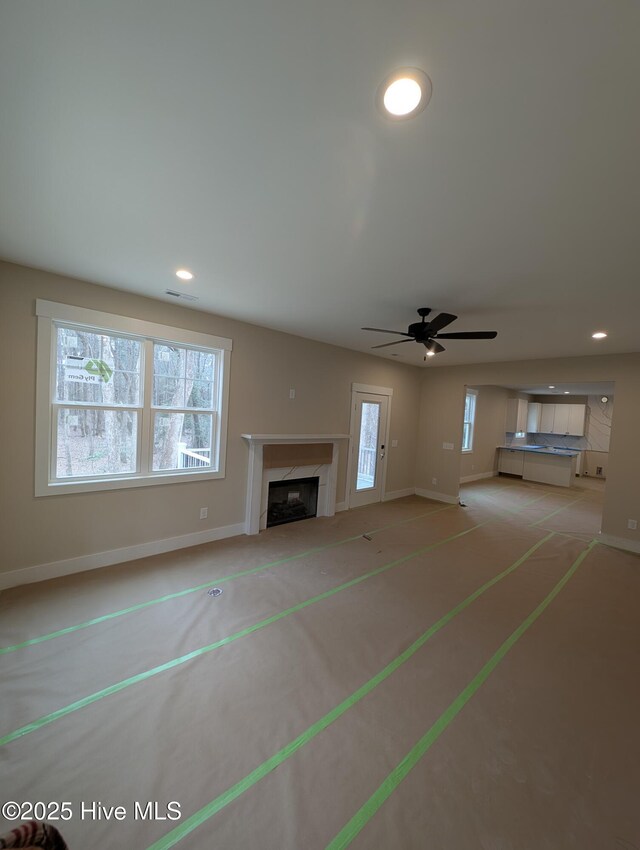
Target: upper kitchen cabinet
[565, 419]
[516, 415]
[534, 414]
[577, 413]
[546, 418]
[561, 419]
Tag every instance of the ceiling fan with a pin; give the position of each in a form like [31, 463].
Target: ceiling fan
[428, 332]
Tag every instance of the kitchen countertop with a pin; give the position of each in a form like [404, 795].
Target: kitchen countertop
[542, 450]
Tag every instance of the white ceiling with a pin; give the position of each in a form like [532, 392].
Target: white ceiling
[241, 140]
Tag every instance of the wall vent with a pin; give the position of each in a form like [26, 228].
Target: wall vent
[181, 295]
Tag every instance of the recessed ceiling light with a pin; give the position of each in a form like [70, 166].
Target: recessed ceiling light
[404, 93]
[552, 386]
[599, 335]
[184, 274]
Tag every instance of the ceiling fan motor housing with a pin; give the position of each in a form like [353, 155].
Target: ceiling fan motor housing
[419, 330]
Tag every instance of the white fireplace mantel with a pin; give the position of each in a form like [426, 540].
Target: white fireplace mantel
[326, 507]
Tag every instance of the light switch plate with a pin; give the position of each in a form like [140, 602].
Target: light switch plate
[448, 446]
[394, 444]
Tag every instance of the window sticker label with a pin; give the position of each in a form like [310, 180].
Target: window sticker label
[87, 371]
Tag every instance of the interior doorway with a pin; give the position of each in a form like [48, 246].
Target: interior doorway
[550, 432]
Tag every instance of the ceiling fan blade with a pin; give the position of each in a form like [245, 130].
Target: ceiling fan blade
[385, 331]
[434, 346]
[395, 342]
[470, 335]
[441, 321]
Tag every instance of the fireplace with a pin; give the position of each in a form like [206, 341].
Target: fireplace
[290, 500]
[262, 470]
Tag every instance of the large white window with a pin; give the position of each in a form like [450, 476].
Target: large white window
[126, 403]
[469, 420]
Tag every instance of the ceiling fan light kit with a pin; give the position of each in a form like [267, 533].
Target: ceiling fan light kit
[426, 333]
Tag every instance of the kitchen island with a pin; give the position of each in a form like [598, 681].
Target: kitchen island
[543, 464]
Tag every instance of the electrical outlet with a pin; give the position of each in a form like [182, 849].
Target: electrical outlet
[632, 524]
[204, 512]
[292, 393]
[434, 480]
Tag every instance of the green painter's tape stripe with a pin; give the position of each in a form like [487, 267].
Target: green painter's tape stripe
[177, 594]
[206, 812]
[132, 680]
[368, 810]
[484, 496]
[196, 653]
[557, 511]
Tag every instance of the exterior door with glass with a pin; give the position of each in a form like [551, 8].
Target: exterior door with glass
[369, 446]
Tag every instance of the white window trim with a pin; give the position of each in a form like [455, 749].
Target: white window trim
[49, 312]
[473, 422]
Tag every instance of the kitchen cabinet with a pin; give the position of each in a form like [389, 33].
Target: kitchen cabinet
[577, 414]
[548, 466]
[511, 461]
[516, 415]
[548, 469]
[561, 419]
[565, 419]
[534, 414]
[546, 418]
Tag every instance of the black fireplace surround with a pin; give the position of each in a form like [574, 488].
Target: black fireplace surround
[291, 500]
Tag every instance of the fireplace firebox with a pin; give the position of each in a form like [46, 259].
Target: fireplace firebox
[291, 500]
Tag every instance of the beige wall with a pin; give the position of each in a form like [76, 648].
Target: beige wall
[264, 365]
[441, 421]
[488, 432]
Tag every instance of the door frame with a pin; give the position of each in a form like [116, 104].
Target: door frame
[373, 390]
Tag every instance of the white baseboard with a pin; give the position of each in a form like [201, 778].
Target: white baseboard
[398, 494]
[478, 476]
[437, 497]
[341, 506]
[55, 569]
[620, 542]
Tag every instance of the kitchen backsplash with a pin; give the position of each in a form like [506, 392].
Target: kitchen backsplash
[599, 423]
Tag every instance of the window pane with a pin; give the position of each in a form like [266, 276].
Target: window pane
[466, 435]
[182, 440]
[368, 446]
[200, 365]
[97, 368]
[168, 392]
[201, 394]
[96, 442]
[183, 377]
[168, 360]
